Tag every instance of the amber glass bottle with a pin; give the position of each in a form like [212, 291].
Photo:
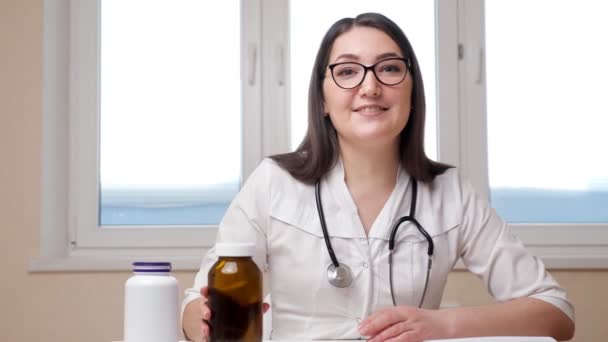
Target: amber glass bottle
[235, 294]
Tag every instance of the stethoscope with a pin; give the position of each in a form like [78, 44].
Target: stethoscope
[340, 275]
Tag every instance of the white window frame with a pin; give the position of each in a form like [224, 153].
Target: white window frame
[561, 246]
[70, 238]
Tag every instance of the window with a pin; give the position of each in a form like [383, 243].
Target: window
[170, 109]
[88, 118]
[547, 79]
[536, 149]
[97, 171]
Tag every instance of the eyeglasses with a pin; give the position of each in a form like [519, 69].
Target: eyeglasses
[349, 75]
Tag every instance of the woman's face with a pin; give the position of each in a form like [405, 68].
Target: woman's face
[371, 114]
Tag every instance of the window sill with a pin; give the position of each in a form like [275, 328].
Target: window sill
[572, 257]
[554, 244]
[566, 246]
[113, 261]
[566, 258]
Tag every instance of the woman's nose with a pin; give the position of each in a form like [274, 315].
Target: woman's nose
[370, 85]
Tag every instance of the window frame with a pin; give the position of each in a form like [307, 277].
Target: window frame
[555, 243]
[84, 161]
[69, 238]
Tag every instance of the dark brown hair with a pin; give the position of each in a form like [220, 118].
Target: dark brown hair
[319, 150]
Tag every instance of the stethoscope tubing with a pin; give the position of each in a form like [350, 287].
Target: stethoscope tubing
[330, 249]
[391, 241]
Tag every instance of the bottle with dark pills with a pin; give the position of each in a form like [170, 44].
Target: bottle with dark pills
[235, 294]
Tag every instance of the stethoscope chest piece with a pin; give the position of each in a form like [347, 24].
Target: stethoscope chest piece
[340, 276]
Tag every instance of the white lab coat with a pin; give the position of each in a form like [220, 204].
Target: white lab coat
[279, 214]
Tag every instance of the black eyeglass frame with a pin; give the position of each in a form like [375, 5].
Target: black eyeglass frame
[372, 68]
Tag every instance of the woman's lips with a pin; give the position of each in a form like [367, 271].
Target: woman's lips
[370, 110]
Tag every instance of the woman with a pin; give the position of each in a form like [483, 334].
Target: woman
[360, 168]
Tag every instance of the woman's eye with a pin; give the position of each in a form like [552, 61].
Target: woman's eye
[390, 68]
[346, 72]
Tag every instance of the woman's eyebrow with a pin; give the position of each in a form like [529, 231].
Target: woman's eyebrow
[387, 55]
[350, 56]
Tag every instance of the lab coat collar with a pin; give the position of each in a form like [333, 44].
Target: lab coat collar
[436, 209]
[297, 207]
[347, 222]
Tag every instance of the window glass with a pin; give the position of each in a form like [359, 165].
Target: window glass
[415, 17]
[547, 114]
[170, 144]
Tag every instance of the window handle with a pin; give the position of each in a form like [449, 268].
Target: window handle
[252, 55]
[280, 65]
[476, 62]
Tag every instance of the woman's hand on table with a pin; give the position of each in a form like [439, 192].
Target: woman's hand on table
[404, 324]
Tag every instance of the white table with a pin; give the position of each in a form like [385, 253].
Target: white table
[500, 339]
[470, 339]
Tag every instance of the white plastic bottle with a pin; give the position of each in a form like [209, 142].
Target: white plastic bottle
[151, 304]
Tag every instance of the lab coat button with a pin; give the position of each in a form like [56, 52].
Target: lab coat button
[364, 265]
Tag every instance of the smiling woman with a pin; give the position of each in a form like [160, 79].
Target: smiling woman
[416, 16]
[364, 112]
[363, 153]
